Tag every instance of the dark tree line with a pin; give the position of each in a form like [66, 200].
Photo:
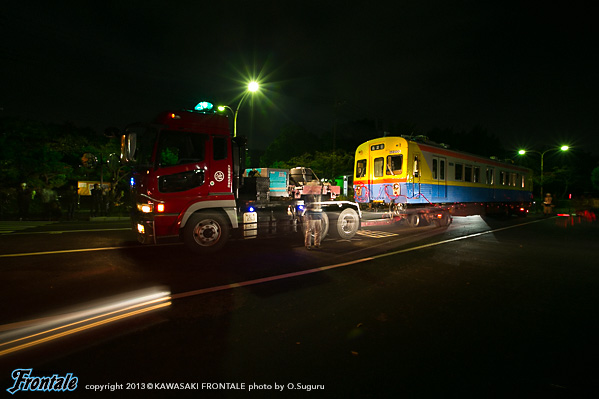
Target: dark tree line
[48, 158]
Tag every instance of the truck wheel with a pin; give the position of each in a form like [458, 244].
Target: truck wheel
[443, 221]
[413, 220]
[347, 224]
[206, 232]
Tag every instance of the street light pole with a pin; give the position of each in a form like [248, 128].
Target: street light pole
[562, 148]
[253, 87]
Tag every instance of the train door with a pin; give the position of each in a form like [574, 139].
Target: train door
[439, 177]
[377, 173]
[414, 186]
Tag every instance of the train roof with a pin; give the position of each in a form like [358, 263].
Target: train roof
[443, 149]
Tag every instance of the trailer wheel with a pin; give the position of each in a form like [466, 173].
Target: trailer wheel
[443, 221]
[413, 220]
[347, 224]
[206, 232]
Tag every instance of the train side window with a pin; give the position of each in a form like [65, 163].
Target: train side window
[459, 171]
[416, 166]
[394, 163]
[442, 169]
[379, 164]
[361, 168]
[435, 176]
[468, 173]
[502, 178]
[490, 179]
[522, 181]
[476, 174]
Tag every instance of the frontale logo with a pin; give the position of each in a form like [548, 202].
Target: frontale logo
[24, 381]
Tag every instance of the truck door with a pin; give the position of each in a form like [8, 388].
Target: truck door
[220, 174]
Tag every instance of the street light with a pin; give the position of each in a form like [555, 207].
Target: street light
[252, 87]
[562, 148]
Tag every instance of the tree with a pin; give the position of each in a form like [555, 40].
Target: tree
[293, 141]
[326, 165]
[476, 141]
[595, 178]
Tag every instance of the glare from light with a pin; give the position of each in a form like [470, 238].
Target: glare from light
[253, 86]
[564, 148]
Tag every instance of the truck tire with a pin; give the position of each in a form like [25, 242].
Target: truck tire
[444, 220]
[206, 232]
[347, 224]
[414, 220]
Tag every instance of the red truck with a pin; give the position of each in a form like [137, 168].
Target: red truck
[188, 180]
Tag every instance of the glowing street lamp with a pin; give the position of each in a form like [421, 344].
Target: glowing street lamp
[562, 148]
[252, 87]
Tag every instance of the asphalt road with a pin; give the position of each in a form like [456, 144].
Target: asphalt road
[484, 307]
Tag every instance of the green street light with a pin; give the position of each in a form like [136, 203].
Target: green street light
[562, 148]
[252, 87]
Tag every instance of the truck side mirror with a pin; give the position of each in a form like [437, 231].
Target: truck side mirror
[128, 146]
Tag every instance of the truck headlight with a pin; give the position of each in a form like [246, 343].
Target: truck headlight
[145, 208]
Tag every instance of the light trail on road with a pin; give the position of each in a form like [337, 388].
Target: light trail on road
[21, 335]
[67, 251]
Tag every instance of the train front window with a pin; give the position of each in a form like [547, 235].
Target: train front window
[361, 168]
[394, 163]
[379, 164]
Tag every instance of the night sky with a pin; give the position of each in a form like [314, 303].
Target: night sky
[528, 74]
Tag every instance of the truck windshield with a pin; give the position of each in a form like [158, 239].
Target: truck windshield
[179, 148]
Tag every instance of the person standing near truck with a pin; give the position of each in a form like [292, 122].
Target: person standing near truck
[548, 205]
[313, 223]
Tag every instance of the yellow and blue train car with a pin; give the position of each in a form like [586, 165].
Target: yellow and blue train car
[396, 170]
